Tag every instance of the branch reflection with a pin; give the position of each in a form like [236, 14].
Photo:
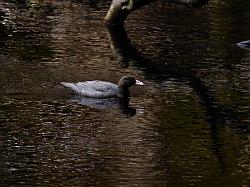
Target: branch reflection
[127, 55]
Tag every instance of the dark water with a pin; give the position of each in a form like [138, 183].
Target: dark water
[188, 126]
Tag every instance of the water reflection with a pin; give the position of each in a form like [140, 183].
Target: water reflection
[127, 55]
[26, 38]
[217, 116]
[122, 104]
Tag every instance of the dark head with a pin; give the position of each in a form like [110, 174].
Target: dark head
[128, 81]
[124, 83]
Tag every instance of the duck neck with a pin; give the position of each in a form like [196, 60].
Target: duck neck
[123, 92]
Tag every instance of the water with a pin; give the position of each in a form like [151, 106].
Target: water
[188, 126]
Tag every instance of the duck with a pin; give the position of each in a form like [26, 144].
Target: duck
[244, 44]
[102, 89]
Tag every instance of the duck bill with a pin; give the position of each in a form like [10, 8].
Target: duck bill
[139, 83]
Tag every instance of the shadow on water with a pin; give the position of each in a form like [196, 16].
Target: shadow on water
[127, 55]
[217, 117]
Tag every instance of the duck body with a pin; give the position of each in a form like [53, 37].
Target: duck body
[95, 89]
[103, 89]
[244, 44]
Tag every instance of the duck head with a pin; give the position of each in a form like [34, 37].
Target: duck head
[126, 82]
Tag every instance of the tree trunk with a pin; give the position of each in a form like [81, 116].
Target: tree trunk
[120, 9]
